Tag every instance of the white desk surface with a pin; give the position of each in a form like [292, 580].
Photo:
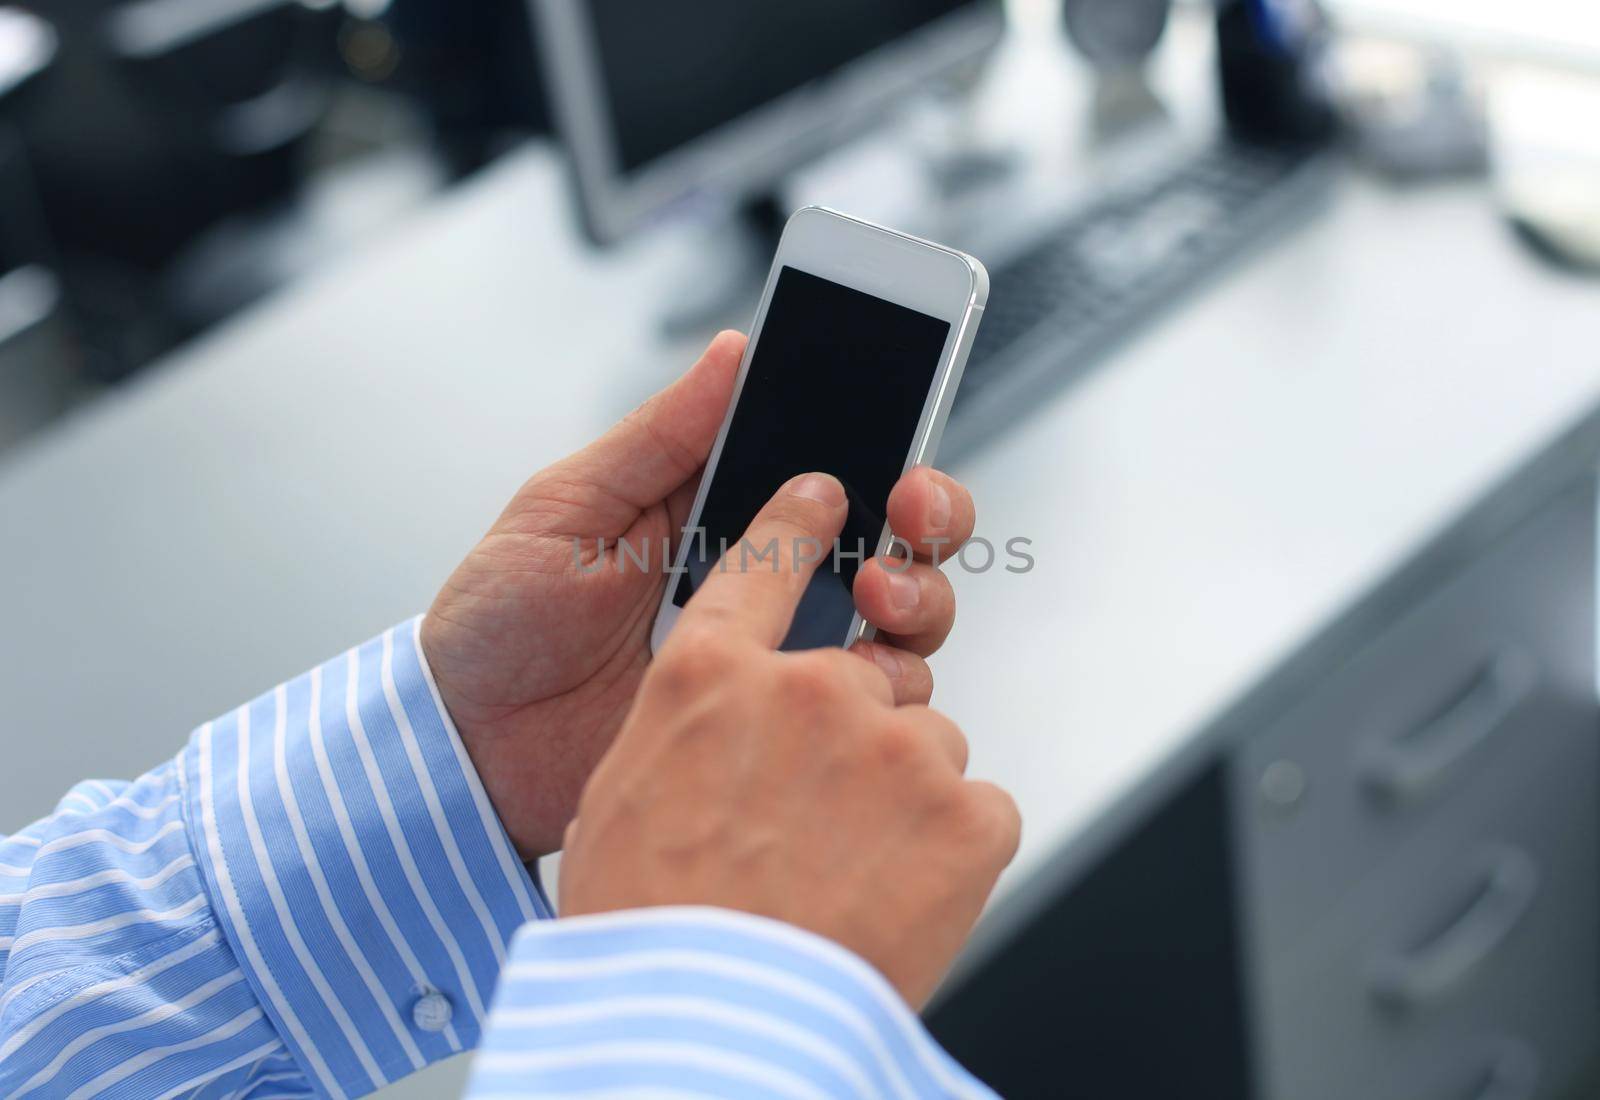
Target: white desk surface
[1198, 506]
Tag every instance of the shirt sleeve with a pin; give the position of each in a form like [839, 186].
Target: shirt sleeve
[696, 1002]
[314, 898]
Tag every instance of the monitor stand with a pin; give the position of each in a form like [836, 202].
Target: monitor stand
[1123, 104]
[722, 287]
[960, 156]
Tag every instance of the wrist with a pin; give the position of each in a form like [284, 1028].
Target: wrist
[435, 647]
[531, 779]
[439, 644]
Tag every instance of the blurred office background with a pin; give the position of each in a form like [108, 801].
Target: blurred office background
[214, 213]
[166, 163]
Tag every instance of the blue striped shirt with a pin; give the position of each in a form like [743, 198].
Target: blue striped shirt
[315, 898]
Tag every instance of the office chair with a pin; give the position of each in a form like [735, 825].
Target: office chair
[36, 370]
[473, 69]
[161, 119]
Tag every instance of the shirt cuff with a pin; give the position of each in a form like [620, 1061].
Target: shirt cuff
[356, 865]
[702, 1002]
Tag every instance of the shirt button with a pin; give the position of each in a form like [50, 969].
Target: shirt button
[432, 1011]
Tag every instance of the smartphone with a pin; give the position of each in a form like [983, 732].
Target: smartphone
[853, 362]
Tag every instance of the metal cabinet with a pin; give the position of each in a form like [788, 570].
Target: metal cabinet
[1378, 877]
[1418, 843]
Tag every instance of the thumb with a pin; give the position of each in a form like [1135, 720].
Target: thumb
[665, 441]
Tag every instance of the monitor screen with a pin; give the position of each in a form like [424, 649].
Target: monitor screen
[675, 71]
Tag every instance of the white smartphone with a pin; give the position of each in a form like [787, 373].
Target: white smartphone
[853, 362]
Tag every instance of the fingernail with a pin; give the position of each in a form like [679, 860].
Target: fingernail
[820, 488]
[886, 659]
[904, 591]
[938, 506]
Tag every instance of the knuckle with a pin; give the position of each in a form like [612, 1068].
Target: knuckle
[995, 823]
[898, 743]
[838, 664]
[957, 738]
[647, 419]
[696, 656]
[808, 679]
[792, 519]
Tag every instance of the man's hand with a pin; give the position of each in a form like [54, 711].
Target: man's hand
[538, 660]
[790, 785]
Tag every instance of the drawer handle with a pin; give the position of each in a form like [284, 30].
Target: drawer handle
[1430, 973]
[1408, 767]
[1512, 1075]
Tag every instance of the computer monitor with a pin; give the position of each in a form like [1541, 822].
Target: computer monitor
[659, 102]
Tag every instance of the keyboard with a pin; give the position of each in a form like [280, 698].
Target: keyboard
[1115, 264]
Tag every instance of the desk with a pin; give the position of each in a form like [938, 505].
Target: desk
[1360, 408]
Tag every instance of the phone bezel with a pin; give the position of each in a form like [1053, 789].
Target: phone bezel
[930, 278]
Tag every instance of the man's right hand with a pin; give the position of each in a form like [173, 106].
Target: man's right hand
[790, 785]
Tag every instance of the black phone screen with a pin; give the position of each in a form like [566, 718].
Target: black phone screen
[836, 383]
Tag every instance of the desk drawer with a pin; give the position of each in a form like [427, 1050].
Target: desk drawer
[1486, 1066]
[1471, 956]
[1482, 673]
